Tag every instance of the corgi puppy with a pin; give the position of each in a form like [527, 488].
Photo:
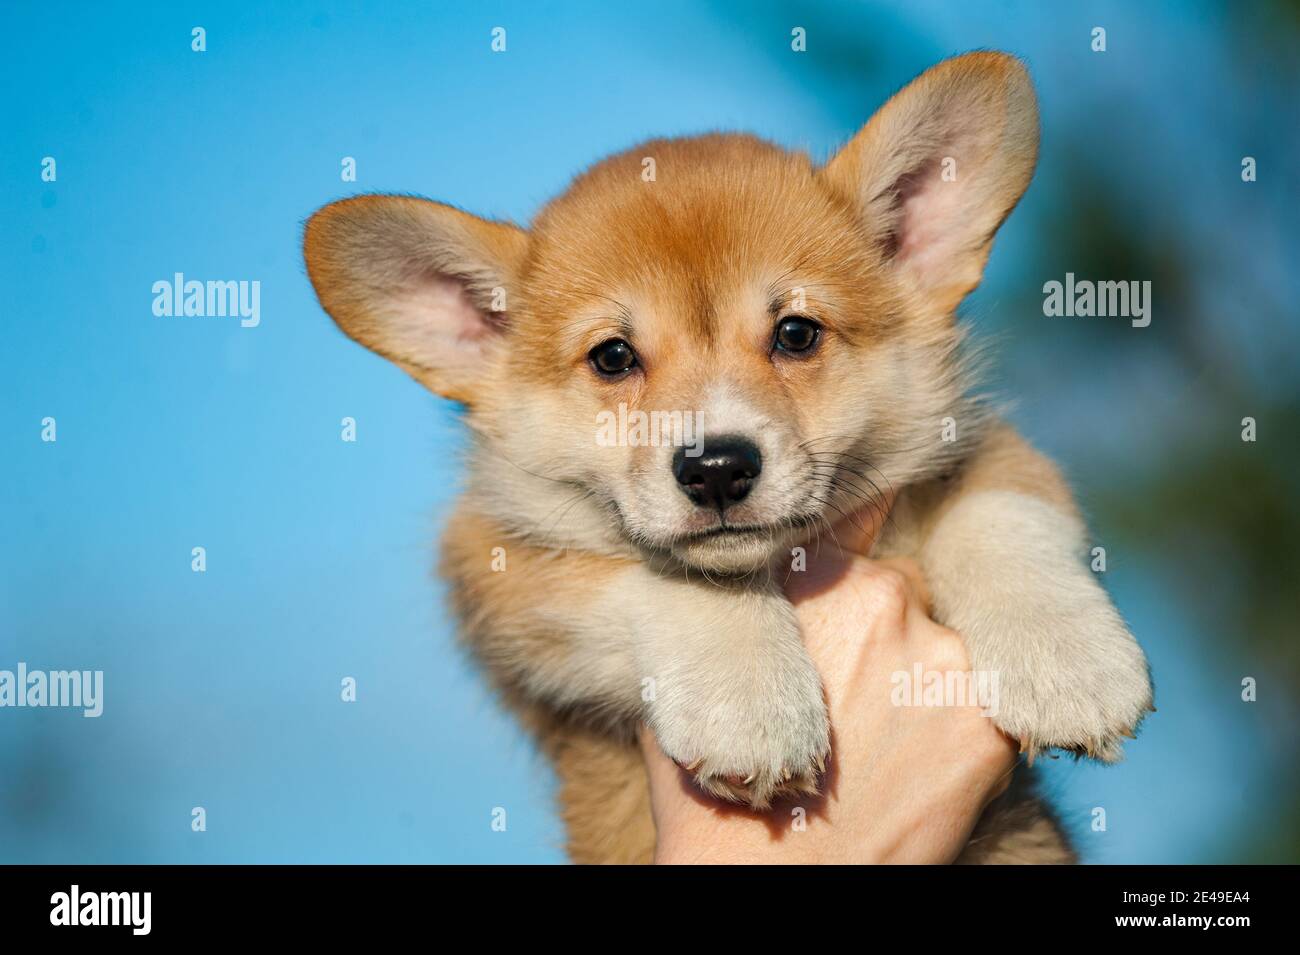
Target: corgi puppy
[804, 315]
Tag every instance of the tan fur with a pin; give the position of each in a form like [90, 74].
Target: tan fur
[1003, 461]
[614, 581]
[604, 798]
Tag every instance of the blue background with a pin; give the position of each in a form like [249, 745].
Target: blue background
[222, 688]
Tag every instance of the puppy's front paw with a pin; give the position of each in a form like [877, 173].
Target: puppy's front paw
[1005, 572]
[1079, 682]
[748, 736]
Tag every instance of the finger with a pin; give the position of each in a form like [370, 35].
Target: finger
[656, 760]
[1003, 782]
[857, 532]
[661, 772]
[917, 590]
[660, 767]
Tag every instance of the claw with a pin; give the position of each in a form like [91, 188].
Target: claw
[749, 779]
[695, 765]
[1129, 733]
[821, 764]
[1027, 749]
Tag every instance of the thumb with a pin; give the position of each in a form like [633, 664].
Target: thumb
[857, 532]
[834, 551]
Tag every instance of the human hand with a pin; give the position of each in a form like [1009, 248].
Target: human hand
[905, 783]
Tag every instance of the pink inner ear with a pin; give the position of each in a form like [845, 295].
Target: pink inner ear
[931, 228]
[943, 222]
[435, 324]
[465, 322]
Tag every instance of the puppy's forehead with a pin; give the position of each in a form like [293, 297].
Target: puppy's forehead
[694, 225]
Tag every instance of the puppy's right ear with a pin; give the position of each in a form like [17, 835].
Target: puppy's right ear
[416, 281]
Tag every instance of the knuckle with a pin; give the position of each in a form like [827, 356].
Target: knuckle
[889, 590]
[908, 566]
[989, 751]
[948, 650]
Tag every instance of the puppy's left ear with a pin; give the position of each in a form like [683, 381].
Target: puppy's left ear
[939, 167]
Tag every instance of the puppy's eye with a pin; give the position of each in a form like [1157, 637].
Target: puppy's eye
[797, 334]
[612, 358]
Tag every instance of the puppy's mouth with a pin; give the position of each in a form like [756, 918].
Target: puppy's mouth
[728, 548]
[724, 531]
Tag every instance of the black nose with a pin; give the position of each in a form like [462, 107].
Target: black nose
[722, 475]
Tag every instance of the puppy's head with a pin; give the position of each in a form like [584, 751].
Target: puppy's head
[705, 346]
